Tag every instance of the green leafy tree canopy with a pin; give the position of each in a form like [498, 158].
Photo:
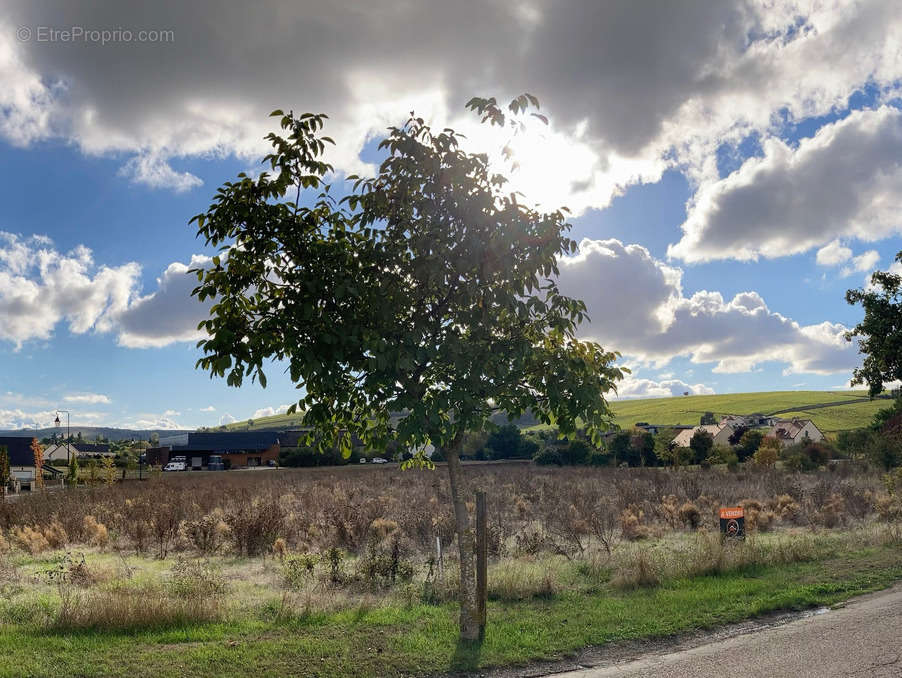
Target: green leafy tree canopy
[879, 334]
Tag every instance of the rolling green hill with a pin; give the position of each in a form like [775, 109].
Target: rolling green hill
[831, 411]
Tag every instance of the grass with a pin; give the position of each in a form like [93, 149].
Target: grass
[688, 409]
[527, 620]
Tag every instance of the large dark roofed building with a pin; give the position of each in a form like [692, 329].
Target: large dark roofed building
[237, 449]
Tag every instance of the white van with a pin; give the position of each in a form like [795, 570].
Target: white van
[176, 466]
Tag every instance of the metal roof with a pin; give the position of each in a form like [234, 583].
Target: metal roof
[240, 440]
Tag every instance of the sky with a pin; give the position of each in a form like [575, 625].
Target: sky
[732, 167]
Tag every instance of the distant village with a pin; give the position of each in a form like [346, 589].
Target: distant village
[225, 450]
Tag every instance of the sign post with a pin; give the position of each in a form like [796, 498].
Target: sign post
[732, 523]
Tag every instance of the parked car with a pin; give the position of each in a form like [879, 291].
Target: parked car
[363, 461]
[379, 460]
[176, 466]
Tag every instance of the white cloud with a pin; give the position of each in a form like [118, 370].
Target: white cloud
[41, 287]
[88, 398]
[863, 263]
[171, 413]
[633, 387]
[633, 87]
[845, 182]
[208, 409]
[167, 315]
[152, 421]
[151, 170]
[226, 419]
[651, 320]
[833, 254]
[269, 411]
[18, 418]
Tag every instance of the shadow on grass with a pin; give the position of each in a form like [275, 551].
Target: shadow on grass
[466, 655]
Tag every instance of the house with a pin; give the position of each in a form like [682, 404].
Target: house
[237, 449]
[793, 431]
[22, 470]
[747, 420]
[720, 432]
[59, 452]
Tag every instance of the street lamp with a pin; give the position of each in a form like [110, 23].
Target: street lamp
[68, 435]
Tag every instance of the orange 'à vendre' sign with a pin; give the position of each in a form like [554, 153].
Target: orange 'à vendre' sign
[732, 522]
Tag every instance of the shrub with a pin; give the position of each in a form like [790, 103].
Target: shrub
[208, 533]
[631, 526]
[548, 456]
[298, 570]
[195, 580]
[384, 562]
[96, 533]
[255, 525]
[55, 534]
[767, 453]
[29, 539]
[689, 514]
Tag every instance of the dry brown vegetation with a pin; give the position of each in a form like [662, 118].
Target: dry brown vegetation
[277, 544]
[531, 510]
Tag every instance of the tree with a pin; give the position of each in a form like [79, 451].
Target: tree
[768, 452]
[643, 443]
[38, 453]
[109, 470]
[621, 447]
[72, 472]
[505, 442]
[4, 469]
[411, 309]
[879, 334]
[748, 443]
[707, 419]
[575, 453]
[737, 434]
[701, 443]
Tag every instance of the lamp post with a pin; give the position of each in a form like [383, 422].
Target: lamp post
[68, 435]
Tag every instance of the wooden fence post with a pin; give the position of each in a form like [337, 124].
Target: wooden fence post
[481, 560]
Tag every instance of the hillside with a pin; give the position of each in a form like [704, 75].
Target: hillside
[830, 410]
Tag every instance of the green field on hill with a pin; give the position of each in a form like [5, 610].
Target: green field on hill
[830, 411]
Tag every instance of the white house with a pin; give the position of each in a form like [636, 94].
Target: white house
[57, 452]
[720, 432]
[793, 431]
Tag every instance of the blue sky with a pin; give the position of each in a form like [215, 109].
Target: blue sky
[729, 180]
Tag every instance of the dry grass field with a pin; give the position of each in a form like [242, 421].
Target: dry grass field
[204, 558]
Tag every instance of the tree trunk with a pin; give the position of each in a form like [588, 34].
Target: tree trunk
[469, 608]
